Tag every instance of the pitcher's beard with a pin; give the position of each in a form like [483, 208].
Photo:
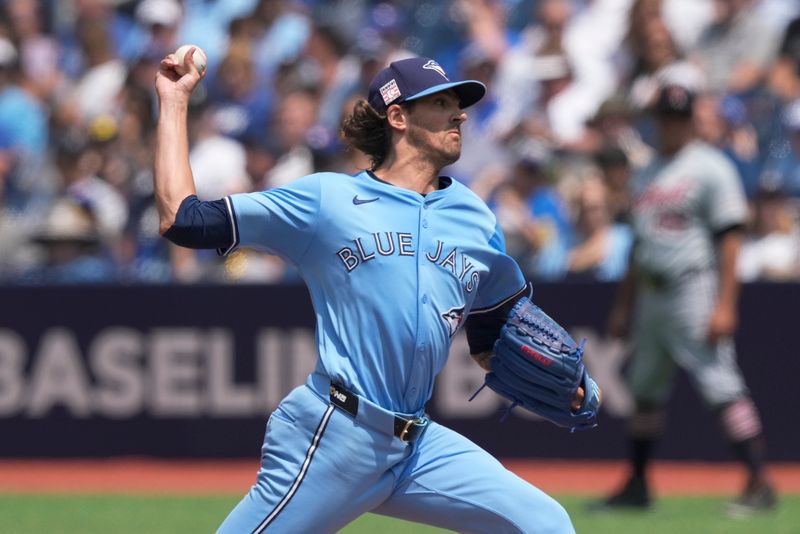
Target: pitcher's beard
[450, 157]
[440, 158]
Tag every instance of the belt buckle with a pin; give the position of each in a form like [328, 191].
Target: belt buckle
[416, 421]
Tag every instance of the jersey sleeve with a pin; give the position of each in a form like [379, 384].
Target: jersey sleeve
[727, 205]
[280, 221]
[504, 280]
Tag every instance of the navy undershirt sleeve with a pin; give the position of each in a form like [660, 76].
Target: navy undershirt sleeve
[202, 224]
[483, 327]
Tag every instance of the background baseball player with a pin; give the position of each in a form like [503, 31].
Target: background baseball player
[681, 292]
[394, 258]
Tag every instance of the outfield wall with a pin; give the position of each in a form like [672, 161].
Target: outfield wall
[171, 371]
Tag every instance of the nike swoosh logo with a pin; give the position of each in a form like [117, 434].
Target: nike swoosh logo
[358, 201]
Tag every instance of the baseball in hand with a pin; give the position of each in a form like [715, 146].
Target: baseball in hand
[199, 58]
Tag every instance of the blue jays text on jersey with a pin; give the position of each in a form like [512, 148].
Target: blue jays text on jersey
[391, 273]
[384, 244]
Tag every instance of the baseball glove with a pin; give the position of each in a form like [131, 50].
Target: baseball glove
[537, 365]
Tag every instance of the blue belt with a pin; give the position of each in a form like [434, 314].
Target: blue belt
[407, 429]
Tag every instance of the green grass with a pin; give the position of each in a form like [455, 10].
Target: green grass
[122, 514]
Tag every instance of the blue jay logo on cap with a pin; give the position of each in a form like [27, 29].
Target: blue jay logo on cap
[432, 65]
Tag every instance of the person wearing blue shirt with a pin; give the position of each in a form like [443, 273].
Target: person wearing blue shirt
[600, 247]
[397, 259]
[23, 135]
[533, 215]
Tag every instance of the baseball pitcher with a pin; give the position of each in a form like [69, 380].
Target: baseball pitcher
[396, 258]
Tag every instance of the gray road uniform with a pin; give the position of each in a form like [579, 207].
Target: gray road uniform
[681, 203]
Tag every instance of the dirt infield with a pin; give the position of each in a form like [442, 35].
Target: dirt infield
[235, 476]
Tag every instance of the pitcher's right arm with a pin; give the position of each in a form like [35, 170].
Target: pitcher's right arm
[183, 219]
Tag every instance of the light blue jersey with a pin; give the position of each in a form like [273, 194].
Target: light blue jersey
[392, 276]
[392, 273]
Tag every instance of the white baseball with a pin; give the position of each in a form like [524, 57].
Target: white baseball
[199, 58]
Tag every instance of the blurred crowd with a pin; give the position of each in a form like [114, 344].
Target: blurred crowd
[551, 148]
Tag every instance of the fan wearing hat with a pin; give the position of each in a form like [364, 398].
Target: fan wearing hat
[396, 257]
[680, 294]
[72, 249]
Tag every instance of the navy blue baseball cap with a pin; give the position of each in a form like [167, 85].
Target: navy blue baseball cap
[410, 79]
[675, 100]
